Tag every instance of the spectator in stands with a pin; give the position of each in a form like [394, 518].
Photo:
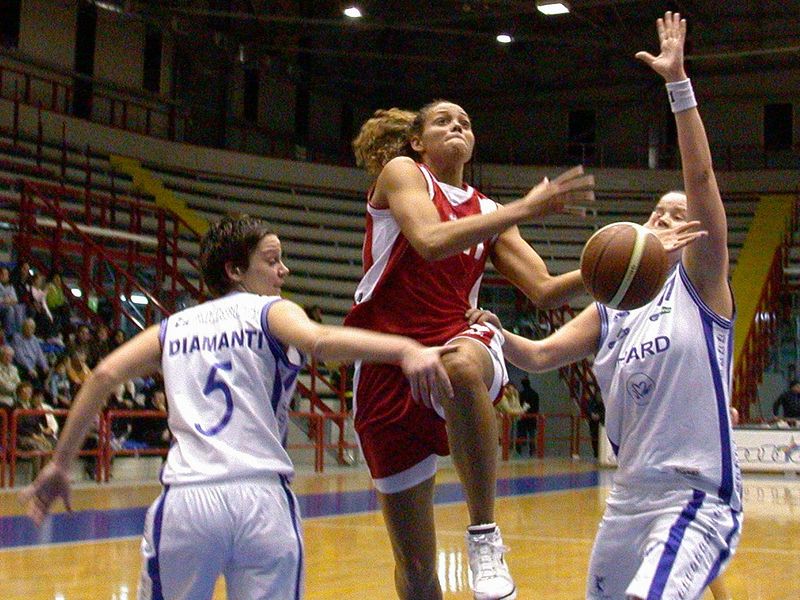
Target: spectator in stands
[117, 339]
[77, 369]
[153, 432]
[33, 432]
[9, 377]
[596, 414]
[11, 310]
[39, 400]
[40, 312]
[84, 341]
[29, 355]
[59, 306]
[21, 278]
[103, 344]
[789, 402]
[58, 384]
[526, 428]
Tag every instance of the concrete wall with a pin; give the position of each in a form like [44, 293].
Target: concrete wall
[119, 51]
[47, 32]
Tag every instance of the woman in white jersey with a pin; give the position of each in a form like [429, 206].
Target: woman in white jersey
[230, 368]
[428, 238]
[673, 517]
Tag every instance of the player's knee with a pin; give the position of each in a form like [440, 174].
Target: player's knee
[463, 369]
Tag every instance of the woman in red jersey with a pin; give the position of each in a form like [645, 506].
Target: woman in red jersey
[427, 241]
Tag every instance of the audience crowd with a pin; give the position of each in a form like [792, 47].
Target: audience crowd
[46, 354]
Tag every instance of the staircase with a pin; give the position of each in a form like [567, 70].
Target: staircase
[122, 250]
[772, 342]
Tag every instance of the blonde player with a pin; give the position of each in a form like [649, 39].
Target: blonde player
[673, 517]
[230, 367]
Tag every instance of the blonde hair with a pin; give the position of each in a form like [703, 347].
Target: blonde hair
[383, 137]
[387, 135]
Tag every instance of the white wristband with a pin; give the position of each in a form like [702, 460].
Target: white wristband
[681, 95]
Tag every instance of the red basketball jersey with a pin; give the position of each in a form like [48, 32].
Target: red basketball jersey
[403, 293]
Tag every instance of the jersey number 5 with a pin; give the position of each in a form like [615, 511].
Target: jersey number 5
[213, 384]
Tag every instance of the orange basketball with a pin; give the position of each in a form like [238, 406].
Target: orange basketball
[623, 265]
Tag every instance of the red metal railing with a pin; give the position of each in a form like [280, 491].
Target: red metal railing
[66, 237]
[544, 427]
[507, 437]
[315, 435]
[337, 416]
[761, 337]
[14, 453]
[123, 111]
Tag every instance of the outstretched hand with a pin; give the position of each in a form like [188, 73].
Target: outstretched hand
[671, 35]
[677, 238]
[52, 483]
[426, 374]
[566, 193]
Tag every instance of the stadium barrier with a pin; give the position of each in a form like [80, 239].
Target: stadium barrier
[15, 454]
[3, 445]
[109, 451]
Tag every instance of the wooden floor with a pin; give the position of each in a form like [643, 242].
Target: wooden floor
[550, 534]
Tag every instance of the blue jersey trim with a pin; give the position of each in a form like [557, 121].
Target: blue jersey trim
[153, 568]
[725, 554]
[695, 295]
[673, 545]
[295, 518]
[277, 350]
[723, 416]
[603, 312]
[162, 333]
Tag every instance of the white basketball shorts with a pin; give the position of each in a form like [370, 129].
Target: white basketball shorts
[661, 544]
[246, 530]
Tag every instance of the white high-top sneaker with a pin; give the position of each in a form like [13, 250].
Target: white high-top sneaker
[490, 577]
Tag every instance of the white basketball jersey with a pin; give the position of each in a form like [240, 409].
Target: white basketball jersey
[228, 383]
[665, 374]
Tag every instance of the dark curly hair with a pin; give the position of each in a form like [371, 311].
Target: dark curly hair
[231, 240]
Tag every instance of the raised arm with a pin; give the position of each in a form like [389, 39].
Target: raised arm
[402, 188]
[706, 260]
[526, 270]
[422, 366]
[138, 357]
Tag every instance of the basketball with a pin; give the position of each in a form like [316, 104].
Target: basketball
[623, 265]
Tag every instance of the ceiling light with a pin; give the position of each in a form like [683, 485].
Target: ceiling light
[504, 38]
[353, 12]
[552, 7]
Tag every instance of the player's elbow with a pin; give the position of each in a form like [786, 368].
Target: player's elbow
[429, 249]
[104, 376]
[545, 295]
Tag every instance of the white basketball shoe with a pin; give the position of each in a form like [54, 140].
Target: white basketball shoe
[490, 577]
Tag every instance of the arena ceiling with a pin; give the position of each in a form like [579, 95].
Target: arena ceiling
[408, 51]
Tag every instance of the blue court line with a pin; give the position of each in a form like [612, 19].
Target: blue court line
[97, 525]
